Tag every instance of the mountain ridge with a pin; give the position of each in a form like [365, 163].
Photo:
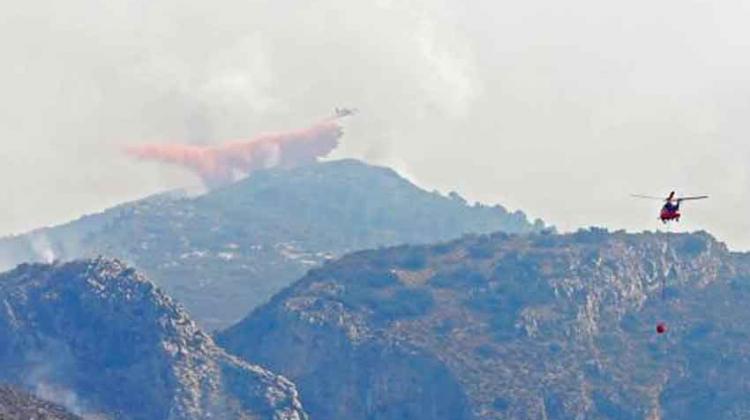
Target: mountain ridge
[224, 252]
[503, 326]
[99, 336]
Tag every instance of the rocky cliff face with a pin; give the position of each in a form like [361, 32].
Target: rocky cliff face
[495, 327]
[223, 253]
[18, 405]
[101, 339]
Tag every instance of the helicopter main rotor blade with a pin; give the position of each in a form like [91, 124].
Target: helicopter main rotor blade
[695, 197]
[649, 197]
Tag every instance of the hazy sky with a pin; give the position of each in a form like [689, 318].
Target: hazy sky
[560, 109]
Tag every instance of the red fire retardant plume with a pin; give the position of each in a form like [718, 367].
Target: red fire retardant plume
[222, 164]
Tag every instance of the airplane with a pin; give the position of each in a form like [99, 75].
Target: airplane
[671, 209]
[343, 112]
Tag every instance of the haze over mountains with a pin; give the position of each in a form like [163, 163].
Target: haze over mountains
[295, 286]
[223, 253]
[519, 323]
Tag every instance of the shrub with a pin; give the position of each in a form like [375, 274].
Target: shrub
[376, 279]
[412, 259]
[442, 249]
[609, 409]
[484, 247]
[592, 235]
[692, 246]
[500, 404]
[406, 303]
[462, 278]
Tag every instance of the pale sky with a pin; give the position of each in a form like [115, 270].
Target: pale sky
[560, 109]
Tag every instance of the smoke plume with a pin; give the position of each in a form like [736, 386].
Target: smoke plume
[42, 248]
[225, 163]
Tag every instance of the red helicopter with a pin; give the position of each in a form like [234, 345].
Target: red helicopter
[671, 209]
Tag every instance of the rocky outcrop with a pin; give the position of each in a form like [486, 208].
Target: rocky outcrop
[101, 339]
[507, 327]
[18, 405]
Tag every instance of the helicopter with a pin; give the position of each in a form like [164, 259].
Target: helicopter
[670, 211]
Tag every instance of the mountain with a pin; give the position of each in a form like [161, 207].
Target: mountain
[539, 326]
[19, 405]
[225, 252]
[101, 339]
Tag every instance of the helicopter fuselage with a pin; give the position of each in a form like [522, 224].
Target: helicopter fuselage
[670, 211]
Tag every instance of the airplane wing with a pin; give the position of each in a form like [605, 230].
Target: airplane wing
[695, 197]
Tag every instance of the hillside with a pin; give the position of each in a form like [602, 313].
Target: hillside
[507, 327]
[223, 253]
[101, 339]
[19, 405]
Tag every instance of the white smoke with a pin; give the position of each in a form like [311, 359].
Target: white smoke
[42, 248]
[58, 395]
[46, 375]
